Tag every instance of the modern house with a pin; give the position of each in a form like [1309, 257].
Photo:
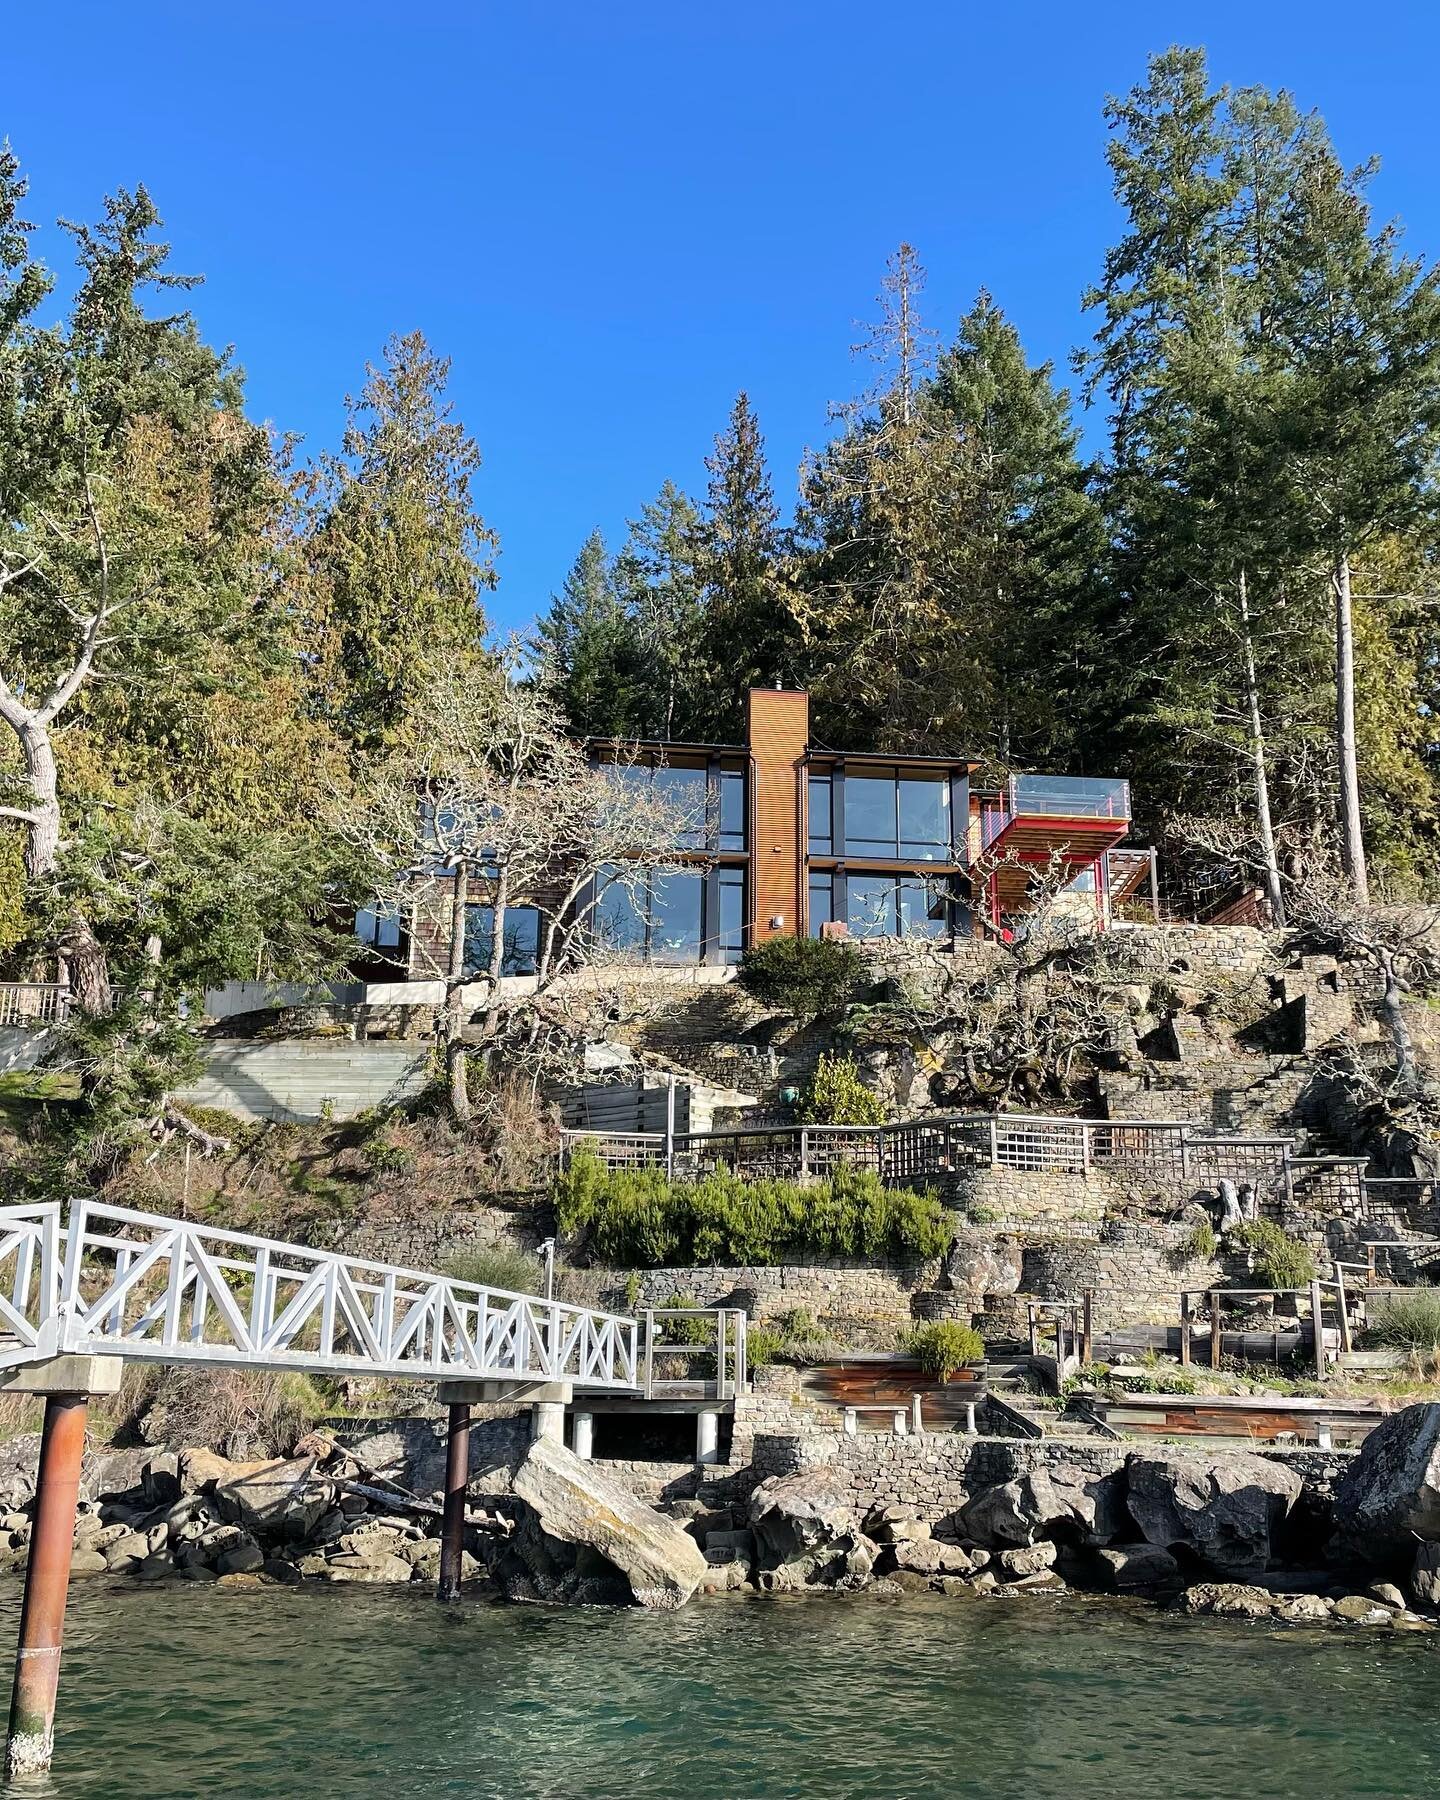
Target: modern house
[795, 837]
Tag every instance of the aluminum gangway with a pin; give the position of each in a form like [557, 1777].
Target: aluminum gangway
[113, 1282]
[81, 1296]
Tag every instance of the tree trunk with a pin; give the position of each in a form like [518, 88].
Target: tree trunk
[455, 1063]
[42, 833]
[1352, 840]
[1257, 758]
[87, 968]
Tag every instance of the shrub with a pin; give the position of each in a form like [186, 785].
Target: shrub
[810, 977]
[1200, 1245]
[1279, 1260]
[1409, 1321]
[511, 1270]
[837, 1096]
[635, 1217]
[763, 1346]
[944, 1346]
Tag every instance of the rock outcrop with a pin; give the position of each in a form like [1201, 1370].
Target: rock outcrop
[1224, 1509]
[1390, 1495]
[584, 1537]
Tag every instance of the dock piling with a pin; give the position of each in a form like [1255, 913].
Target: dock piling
[452, 1524]
[47, 1580]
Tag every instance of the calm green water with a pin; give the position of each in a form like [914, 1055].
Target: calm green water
[187, 1691]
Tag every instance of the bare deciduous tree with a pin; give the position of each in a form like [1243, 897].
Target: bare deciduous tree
[489, 801]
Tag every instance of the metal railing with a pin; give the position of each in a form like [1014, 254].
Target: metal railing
[34, 1003]
[719, 1351]
[130, 1284]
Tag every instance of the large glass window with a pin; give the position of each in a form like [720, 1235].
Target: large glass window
[822, 900]
[672, 917]
[925, 818]
[521, 935]
[677, 906]
[732, 810]
[869, 816]
[822, 836]
[897, 906]
[378, 926]
[685, 791]
[731, 888]
[905, 816]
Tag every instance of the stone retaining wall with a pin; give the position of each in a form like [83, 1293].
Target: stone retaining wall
[937, 1474]
[865, 1307]
[435, 1240]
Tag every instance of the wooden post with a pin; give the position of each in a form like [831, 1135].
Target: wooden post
[1343, 1300]
[670, 1127]
[1034, 1330]
[1088, 1340]
[47, 1579]
[649, 1352]
[1154, 887]
[1184, 1329]
[452, 1524]
[804, 1153]
[1317, 1318]
[1214, 1328]
[721, 1390]
[994, 1144]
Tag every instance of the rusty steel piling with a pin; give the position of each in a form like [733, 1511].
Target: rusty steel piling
[47, 1580]
[452, 1526]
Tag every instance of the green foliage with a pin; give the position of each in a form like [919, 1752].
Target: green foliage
[810, 977]
[837, 1096]
[1408, 1321]
[943, 1346]
[1199, 1246]
[1278, 1260]
[636, 1217]
[764, 1345]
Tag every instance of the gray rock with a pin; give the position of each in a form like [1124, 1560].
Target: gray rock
[1087, 1501]
[1228, 1600]
[86, 1562]
[390, 1570]
[1360, 1609]
[1122, 1566]
[280, 1499]
[1425, 1575]
[240, 1559]
[1029, 1561]
[726, 1578]
[1387, 1594]
[738, 1545]
[1225, 1508]
[804, 1524]
[1390, 1494]
[575, 1504]
[928, 1556]
[1303, 1609]
[285, 1574]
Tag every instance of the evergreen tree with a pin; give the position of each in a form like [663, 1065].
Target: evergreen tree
[589, 648]
[1037, 540]
[748, 634]
[398, 556]
[657, 575]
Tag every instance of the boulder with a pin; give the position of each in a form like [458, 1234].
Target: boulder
[240, 1559]
[928, 1556]
[1390, 1494]
[1029, 1561]
[573, 1505]
[1360, 1609]
[1227, 1600]
[1122, 1566]
[280, 1499]
[377, 1569]
[1387, 1594]
[1303, 1609]
[1088, 1504]
[1425, 1576]
[1224, 1508]
[805, 1526]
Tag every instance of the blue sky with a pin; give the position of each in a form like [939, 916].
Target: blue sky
[613, 216]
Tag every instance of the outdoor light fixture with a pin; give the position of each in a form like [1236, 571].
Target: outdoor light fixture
[777, 921]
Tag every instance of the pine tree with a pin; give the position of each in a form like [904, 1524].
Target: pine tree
[398, 556]
[748, 634]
